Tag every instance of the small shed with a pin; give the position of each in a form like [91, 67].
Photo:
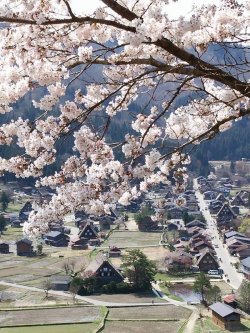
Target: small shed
[114, 252]
[230, 300]
[24, 248]
[225, 316]
[4, 247]
[60, 282]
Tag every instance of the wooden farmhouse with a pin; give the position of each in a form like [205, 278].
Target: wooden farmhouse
[103, 269]
[25, 211]
[225, 214]
[88, 232]
[225, 316]
[207, 262]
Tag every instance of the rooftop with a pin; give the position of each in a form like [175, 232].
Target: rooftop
[222, 309]
[246, 262]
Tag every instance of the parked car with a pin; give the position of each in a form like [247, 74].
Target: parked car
[213, 272]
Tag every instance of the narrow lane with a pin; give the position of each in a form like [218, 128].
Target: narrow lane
[86, 299]
[221, 252]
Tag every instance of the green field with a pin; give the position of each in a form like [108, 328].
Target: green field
[125, 239]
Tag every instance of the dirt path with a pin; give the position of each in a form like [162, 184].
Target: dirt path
[189, 328]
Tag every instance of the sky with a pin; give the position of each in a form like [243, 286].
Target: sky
[181, 7]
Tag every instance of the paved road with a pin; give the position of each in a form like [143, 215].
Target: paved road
[221, 252]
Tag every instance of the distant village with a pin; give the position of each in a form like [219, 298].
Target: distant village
[192, 244]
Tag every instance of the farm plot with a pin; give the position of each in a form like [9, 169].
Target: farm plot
[75, 328]
[12, 234]
[150, 312]
[49, 316]
[127, 239]
[156, 253]
[142, 326]
[224, 287]
[21, 274]
[128, 298]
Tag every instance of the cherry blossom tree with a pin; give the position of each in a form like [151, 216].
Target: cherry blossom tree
[139, 51]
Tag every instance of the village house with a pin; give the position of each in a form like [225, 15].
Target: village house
[206, 261]
[94, 242]
[245, 267]
[169, 195]
[178, 261]
[243, 252]
[77, 243]
[210, 195]
[225, 214]
[237, 243]
[215, 206]
[16, 223]
[24, 247]
[25, 211]
[221, 197]
[56, 238]
[88, 232]
[225, 316]
[201, 180]
[237, 201]
[173, 226]
[234, 245]
[193, 207]
[193, 231]
[196, 223]
[232, 233]
[196, 238]
[200, 246]
[176, 212]
[103, 269]
[244, 240]
[230, 300]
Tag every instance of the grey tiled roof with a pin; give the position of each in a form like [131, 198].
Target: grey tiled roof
[246, 262]
[222, 309]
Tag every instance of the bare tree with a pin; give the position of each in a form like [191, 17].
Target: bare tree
[69, 267]
[47, 285]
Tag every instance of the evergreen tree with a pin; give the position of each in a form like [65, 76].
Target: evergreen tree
[2, 224]
[201, 285]
[244, 295]
[139, 270]
[4, 200]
